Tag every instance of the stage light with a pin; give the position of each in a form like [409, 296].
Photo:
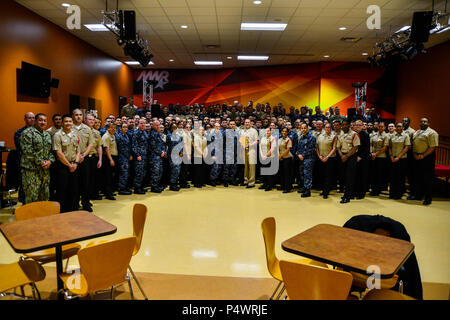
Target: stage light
[138, 52]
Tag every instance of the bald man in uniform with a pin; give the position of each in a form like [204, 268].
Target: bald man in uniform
[424, 144]
[29, 122]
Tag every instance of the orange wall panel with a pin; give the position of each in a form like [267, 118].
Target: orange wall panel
[82, 69]
[424, 89]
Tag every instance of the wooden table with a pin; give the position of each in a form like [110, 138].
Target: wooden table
[55, 231]
[351, 249]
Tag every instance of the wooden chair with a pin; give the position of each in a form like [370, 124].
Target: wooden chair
[139, 217]
[385, 294]
[268, 227]
[102, 265]
[309, 282]
[20, 274]
[41, 209]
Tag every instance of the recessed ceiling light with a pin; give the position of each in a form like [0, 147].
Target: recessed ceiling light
[342, 28]
[229, 58]
[208, 63]
[257, 2]
[263, 26]
[65, 5]
[171, 60]
[326, 56]
[365, 54]
[184, 27]
[96, 27]
[253, 57]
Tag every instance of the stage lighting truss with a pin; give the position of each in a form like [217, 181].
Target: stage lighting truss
[399, 44]
[113, 21]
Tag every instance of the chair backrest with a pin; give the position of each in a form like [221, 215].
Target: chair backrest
[308, 282]
[268, 227]
[139, 217]
[105, 264]
[36, 210]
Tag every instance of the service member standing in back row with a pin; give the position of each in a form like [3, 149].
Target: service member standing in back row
[348, 144]
[424, 144]
[37, 157]
[66, 144]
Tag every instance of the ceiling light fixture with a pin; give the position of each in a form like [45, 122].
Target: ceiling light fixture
[184, 27]
[208, 63]
[253, 57]
[96, 27]
[342, 28]
[229, 58]
[365, 54]
[326, 56]
[65, 5]
[257, 2]
[261, 26]
[135, 63]
[171, 60]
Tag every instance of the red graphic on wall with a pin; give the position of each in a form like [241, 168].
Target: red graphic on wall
[326, 84]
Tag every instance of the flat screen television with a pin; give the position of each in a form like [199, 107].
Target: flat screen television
[34, 81]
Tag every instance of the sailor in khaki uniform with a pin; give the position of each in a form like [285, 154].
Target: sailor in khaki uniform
[110, 154]
[250, 138]
[348, 144]
[94, 159]
[410, 157]
[326, 153]
[378, 147]
[424, 144]
[66, 144]
[399, 144]
[86, 143]
[57, 125]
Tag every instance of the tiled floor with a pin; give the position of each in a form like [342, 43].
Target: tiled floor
[217, 231]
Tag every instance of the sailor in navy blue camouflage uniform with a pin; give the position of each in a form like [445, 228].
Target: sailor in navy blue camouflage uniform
[294, 138]
[216, 145]
[156, 154]
[175, 155]
[139, 146]
[306, 154]
[124, 148]
[230, 163]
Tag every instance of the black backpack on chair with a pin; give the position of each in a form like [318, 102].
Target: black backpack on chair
[409, 273]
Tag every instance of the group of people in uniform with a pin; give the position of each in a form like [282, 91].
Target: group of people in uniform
[80, 159]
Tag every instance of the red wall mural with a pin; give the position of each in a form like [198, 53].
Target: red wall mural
[326, 84]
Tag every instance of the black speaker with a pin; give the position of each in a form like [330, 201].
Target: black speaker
[129, 25]
[421, 26]
[54, 83]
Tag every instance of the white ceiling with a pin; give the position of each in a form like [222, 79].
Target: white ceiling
[312, 30]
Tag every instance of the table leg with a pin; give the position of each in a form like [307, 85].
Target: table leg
[59, 270]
